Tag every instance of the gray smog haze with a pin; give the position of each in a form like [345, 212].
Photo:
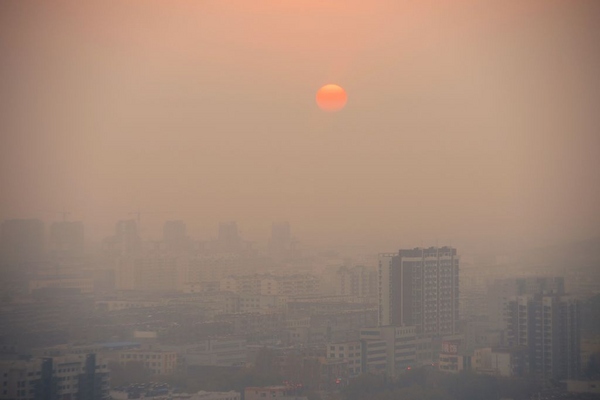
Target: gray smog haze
[470, 123]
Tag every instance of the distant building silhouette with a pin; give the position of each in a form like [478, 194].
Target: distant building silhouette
[21, 245]
[125, 241]
[281, 236]
[503, 290]
[127, 237]
[66, 238]
[150, 273]
[229, 239]
[357, 281]
[174, 236]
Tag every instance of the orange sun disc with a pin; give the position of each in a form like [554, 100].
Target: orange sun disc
[331, 98]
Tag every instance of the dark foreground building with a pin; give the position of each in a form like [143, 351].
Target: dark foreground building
[71, 377]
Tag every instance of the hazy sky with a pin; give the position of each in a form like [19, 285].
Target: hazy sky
[474, 123]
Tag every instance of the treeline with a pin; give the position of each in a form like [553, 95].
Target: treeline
[428, 384]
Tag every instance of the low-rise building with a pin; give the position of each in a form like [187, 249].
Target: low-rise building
[202, 395]
[271, 285]
[261, 303]
[587, 387]
[107, 350]
[388, 349]
[169, 395]
[201, 287]
[225, 352]
[160, 362]
[501, 361]
[118, 305]
[77, 284]
[273, 393]
[452, 359]
[348, 351]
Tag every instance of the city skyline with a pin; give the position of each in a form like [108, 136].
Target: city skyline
[470, 125]
[299, 200]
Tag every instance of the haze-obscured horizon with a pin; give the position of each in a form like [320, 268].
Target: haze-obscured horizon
[467, 123]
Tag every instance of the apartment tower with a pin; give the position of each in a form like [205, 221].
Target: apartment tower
[419, 287]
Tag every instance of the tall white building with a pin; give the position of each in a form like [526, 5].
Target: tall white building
[419, 287]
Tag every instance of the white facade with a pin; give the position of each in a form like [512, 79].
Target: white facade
[389, 349]
[349, 352]
[487, 361]
[386, 302]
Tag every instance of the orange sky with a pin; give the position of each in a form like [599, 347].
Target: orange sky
[469, 123]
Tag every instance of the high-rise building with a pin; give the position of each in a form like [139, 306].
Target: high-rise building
[22, 240]
[126, 240]
[229, 239]
[281, 236]
[501, 291]
[151, 272]
[174, 236]
[358, 281]
[21, 245]
[548, 325]
[66, 238]
[127, 236]
[419, 287]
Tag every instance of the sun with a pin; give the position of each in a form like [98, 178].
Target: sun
[331, 98]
